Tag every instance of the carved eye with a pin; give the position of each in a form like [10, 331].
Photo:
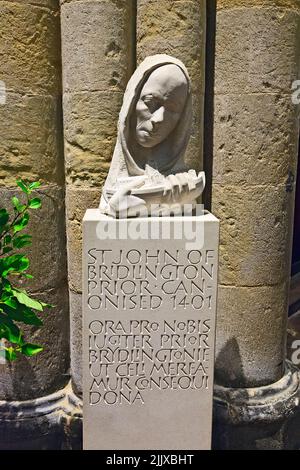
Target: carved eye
[152, 104]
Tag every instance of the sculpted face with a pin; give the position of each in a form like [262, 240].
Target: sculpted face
[160, 105]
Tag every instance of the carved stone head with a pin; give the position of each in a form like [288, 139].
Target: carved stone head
[155, 120]
[160, 105]
[153, 132]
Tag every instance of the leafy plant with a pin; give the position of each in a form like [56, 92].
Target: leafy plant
[16, 306]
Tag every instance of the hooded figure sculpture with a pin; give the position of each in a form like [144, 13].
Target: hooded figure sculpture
[148, 175]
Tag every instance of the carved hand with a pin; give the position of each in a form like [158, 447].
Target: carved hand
[176, 184]
[122, 200]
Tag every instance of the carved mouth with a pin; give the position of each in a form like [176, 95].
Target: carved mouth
[145, 133]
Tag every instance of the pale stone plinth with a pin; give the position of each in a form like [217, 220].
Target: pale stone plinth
[149, 309]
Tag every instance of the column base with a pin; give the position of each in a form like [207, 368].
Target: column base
[50, 422]
[259, 418]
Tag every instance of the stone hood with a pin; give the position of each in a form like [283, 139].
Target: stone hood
[128, 153]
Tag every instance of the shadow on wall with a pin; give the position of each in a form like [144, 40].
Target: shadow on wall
[296, 242]
[21, 377]
[230, 354]
[239, 423]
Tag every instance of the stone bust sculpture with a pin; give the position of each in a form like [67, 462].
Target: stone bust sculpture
[148, 175]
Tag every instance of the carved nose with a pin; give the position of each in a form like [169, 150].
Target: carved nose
[158, 116]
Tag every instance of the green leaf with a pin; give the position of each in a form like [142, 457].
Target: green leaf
[4, 296]
[11, 302]
[24, 299]
[34, 185]
[7, 249]
[23, 186]
[30, 349]
[46, 305]
[27, 276]
[4, 217]
[5, 285]
[3, 330]
[20, 224]
[22, 314]
[9, 330]
[22, 240]
[17, 205]
[13, 264]
[35, 203]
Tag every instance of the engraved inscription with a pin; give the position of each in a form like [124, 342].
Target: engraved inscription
[129, 358]
[146, 280]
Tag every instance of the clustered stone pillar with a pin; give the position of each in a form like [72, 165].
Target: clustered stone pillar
[32, 393]
[98, 44]
[178, 28]
[255, 155]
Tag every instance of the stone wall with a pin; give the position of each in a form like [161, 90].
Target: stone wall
[255, 159]
[101, 42]
[98, 59]
[178, 28]
[31, 147]
[256, 129]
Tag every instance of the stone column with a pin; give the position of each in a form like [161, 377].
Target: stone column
[178, 28]
[31, 148]
[98, 44]
[255, 153]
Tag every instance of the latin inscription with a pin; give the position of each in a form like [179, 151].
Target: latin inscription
[131, 356]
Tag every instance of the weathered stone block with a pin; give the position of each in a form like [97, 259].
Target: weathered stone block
[30, 63]
[53, 4]
[97, 45]
[76, 341]
[90, 135]
[256, 139]
[194, 152]
[34, 150]
[228, 4]
[255, 233]
[251, 356]
[77, 200]
[257, 58]
[178, 28]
